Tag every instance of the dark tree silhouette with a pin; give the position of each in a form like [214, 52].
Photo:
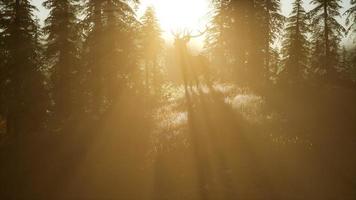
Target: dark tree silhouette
[152, 45]
[351, 17]
[96, 106]
[271, 22]
[244, 31]
[109, 50]
[295, 46]
[3, 71]
[327, 34]
[24, 83]
[93, 54]
[62, 54]
[216, 43]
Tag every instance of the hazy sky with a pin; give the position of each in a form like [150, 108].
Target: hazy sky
[191, 12]
[286, 5]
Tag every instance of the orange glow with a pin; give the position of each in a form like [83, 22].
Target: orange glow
[176, 15]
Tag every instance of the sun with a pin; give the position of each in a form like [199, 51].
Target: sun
[175, 15]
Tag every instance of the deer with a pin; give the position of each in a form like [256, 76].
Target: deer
[194, 68]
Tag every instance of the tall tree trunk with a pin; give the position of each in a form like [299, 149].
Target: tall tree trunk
[267, 47]
[13, 125]
[326, 38]
[97, 72]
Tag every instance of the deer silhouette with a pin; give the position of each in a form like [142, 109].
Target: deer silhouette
[194, 68]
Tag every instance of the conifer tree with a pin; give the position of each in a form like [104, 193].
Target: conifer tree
[352, 67]
[151, 47]
[231, 36]
[120, 44]
[3, 71]
[25, 93]
[92, 54]
[351, 17]
[271, 22]
[62, 53]
[327, 35]
[109, 49]
[216, 42]
[295, 45]
[244, 32]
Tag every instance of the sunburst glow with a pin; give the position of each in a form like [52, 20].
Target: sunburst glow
[175, 15]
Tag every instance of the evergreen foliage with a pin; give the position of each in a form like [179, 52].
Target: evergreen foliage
[23, 82]
[351, 17]
[327, 35]
[151, 47]
[62, 54]
[295, 45]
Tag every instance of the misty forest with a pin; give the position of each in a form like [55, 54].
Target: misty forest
[148, 100]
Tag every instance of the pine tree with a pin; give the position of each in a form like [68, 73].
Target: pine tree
[3, 71]
[216, 42]
[231, 37]
[351, 17]
[25, 93]
[92, 54]
[120, 44]
[256, 43]
[249, 43]
[62, 53]
[152, 44]
[348, 65]
[271, 22]
[324, 16]
[109, 49]
[243, 32]
[295, 45]
[352, 67]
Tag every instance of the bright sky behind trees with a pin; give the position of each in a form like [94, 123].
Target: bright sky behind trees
[174, 14]
[286, 4]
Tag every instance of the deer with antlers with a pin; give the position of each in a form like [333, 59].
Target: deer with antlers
[194, 68]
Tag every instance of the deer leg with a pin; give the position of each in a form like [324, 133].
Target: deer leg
[195, 78]
[185, 80]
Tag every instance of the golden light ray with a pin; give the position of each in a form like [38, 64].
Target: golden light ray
[175, 15]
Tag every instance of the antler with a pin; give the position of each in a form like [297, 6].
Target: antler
[200, 33]
[176, 34]
[187, 34]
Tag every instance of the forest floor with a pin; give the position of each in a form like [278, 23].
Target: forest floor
[215, 143]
